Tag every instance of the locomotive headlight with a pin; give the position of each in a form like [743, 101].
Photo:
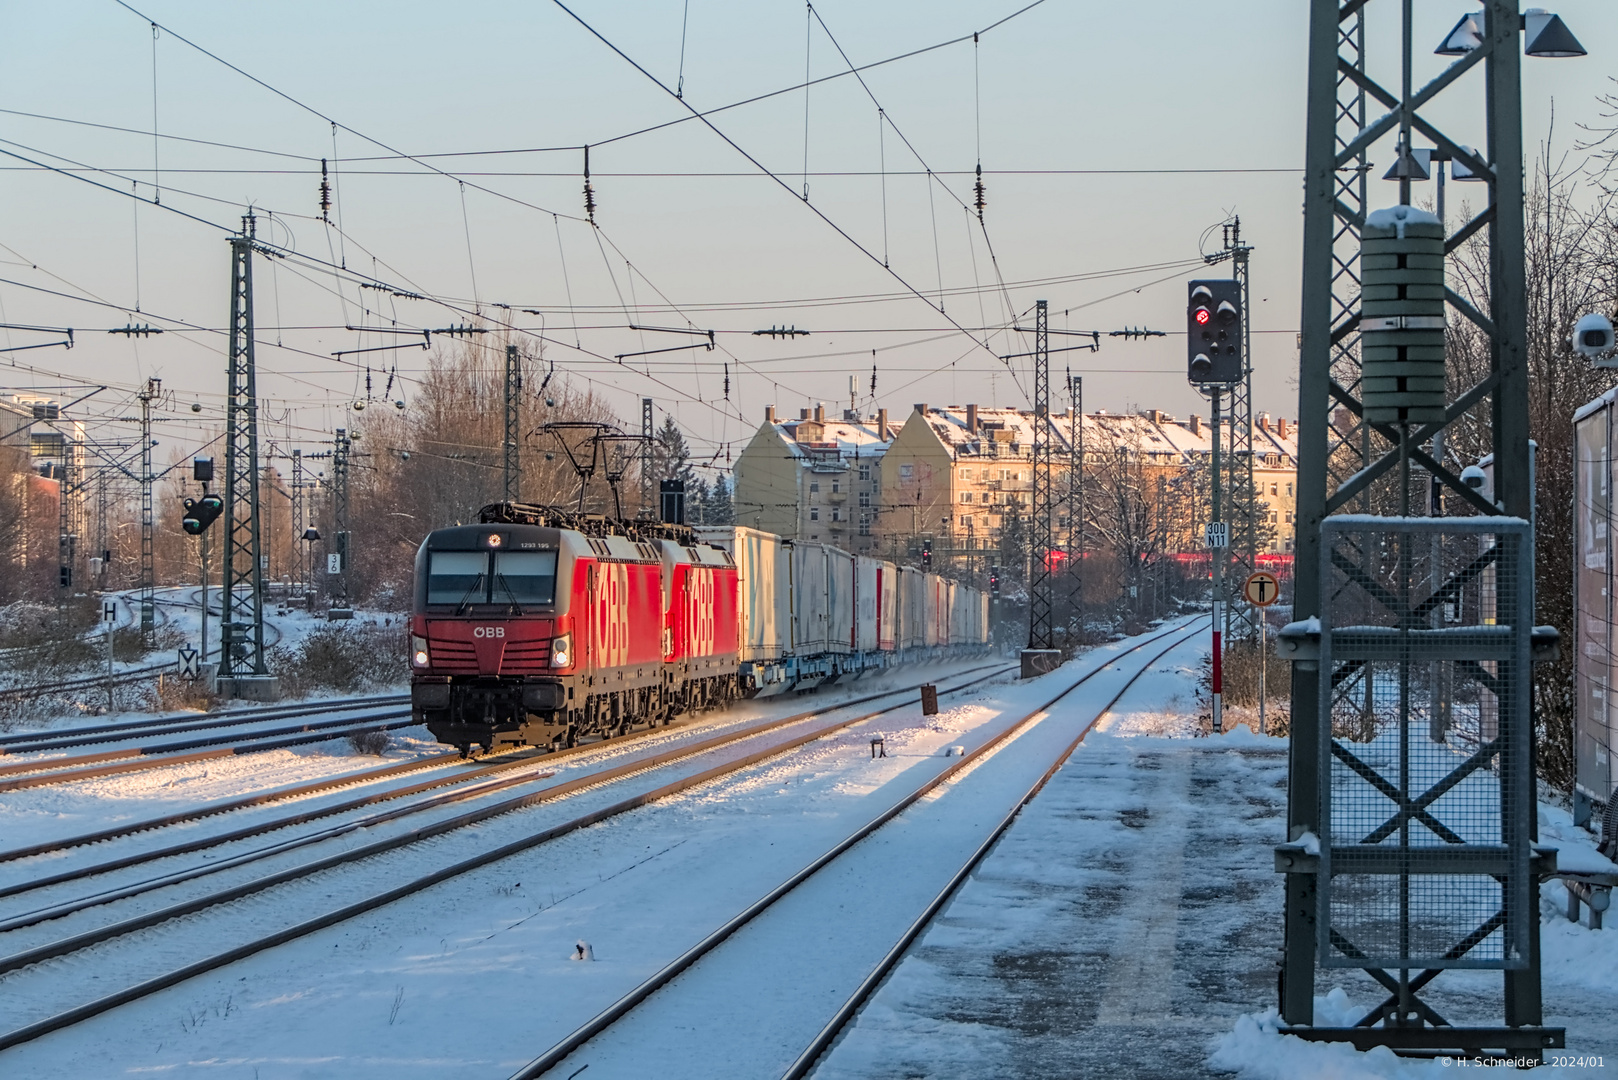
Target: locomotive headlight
[562, 651]
[418, 651]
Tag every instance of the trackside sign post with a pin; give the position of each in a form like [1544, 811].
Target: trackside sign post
[1261, 590]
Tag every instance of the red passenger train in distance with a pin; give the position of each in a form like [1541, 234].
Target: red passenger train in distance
[540, 627]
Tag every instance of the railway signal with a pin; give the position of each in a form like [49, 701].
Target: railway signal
[201, 513]
[1213, 335]
[927, 553]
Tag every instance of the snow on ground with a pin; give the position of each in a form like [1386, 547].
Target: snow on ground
[180, 608]
[34, 815]
[480, 963]
[1129, 925]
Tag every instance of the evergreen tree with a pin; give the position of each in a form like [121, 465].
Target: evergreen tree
[671, 457]
[717, 507]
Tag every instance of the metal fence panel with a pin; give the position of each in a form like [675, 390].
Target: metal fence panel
[1427, 792]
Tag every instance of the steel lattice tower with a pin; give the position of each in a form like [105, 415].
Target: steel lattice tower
[1337, 467]
[297, 518]
[646, 456]
[1075, 504]
[1039, 533]
[242, 606]
[148, 603]
[339, 513]
[66, 539]
[1241, 501]
[513, 438]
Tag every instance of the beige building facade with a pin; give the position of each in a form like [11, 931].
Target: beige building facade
[814, 478]
[951, 477]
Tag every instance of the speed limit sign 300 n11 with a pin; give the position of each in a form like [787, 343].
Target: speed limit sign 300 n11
[1261, 589]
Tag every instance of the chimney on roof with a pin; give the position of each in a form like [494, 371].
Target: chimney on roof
[882, 424]
[803, 414]
[769, 414]
[820, 413]
[1196, 424]
[1281, 427]
[1264, 421]
[921, 407]
[1155, 415]
[972, 418]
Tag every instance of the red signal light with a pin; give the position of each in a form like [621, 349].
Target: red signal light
[1202, 316]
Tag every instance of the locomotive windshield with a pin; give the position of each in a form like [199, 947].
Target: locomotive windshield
[518, 577]
[455, 577]
[524, 577]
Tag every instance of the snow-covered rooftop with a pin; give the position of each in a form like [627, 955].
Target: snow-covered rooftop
[1011, 432]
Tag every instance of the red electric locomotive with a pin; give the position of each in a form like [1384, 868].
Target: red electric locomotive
[538, 627]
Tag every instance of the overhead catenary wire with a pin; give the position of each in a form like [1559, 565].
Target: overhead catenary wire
[758, 164]
[340, 262]
[421, 157]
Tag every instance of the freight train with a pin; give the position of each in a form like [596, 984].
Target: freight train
[539, 627]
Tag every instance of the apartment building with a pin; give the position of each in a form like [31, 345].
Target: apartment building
[952, 475]
[814, 478]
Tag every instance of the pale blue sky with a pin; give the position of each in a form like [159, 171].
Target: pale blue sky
[1068, 85]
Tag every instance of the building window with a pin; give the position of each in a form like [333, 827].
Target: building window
[836, 513]
[966, 474]
[1289, 491]
[814, 487]
[1272, 489]
[814, 513]
[865, 472]
[966, 496]
[966, 520]
[865, 526]
[836, 486]
[1289, 519]
[905, 471]
[865, 498]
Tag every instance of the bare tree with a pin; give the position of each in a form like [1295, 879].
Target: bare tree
[1141, 510]
[1572, 268]
[436, 462]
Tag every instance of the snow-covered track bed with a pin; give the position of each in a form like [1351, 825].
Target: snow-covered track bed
[34, 972]
[62, 738]
[772, 961]
[89, 682]
[40, 771]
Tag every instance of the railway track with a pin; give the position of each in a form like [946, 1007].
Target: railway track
[128, 676]
[39, 773]
[29, 742]
[603, 779]
[466, 780]
[569, 1056]
[95, 682]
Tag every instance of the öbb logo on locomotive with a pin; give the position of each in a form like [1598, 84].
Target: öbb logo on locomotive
[608, 626]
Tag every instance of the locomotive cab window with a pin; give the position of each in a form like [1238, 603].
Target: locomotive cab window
[528, 577]
[455, 577]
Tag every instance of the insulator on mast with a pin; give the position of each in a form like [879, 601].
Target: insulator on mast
[589, 192]
[325, 194]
